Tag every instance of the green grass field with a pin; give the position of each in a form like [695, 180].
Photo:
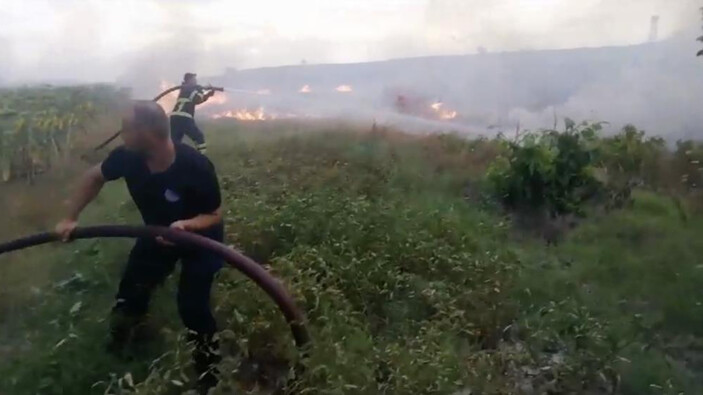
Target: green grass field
[409, 286]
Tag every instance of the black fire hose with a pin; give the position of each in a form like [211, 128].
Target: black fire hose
[157, 98]
[251, 269]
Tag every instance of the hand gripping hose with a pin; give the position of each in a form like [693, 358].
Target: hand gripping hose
[248, 267]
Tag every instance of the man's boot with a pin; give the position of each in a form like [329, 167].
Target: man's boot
[122, 325]
[206, 356]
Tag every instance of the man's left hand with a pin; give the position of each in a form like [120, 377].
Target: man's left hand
[180, 225]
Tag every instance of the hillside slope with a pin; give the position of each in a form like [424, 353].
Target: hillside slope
[648, 85]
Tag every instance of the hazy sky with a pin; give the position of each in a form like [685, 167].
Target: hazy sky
[101, 39]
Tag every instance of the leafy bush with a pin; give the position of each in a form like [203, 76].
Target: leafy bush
[548, 170]
[630, 158]
[37, 124]
[687, 163]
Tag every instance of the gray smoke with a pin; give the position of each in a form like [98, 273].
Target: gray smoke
[653, 86]
[658, 89]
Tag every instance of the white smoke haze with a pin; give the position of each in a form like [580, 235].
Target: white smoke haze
[583, 59]
[656, 90]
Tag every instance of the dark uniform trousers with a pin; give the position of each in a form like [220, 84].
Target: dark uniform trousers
[148, 266]
[184, 126]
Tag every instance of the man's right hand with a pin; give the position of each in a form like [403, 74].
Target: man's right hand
[65, 229]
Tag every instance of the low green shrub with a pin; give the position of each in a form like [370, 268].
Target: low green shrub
[548, 170]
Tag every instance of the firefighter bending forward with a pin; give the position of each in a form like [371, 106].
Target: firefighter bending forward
[172, 185]
[183, 114]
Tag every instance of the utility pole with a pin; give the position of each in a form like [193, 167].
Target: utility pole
[700, 53]
[654, 29]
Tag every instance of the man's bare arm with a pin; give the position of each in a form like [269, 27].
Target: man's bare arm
[200, 222]
[90, 185]
[195, 224]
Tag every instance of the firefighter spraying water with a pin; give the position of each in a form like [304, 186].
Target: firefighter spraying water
[183, 114]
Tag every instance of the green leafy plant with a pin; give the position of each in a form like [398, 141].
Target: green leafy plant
[630, 157]
[548, 170]
[687, 163]
[37, 124]
[407, 287]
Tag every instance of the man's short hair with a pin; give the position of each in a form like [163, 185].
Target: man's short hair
[151, 117]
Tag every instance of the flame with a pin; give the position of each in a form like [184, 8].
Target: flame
[442, 113]
[168, 101]
[256, 115]
[344, 89]
[305, 89]
[245, 115]
[446, 115]
[418, 106]
[163, 85]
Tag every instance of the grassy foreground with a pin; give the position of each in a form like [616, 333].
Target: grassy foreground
[409, 286]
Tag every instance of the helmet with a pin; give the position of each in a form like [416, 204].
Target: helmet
[188, 76]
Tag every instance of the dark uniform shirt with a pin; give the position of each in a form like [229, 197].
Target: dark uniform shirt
[188, 98]
[186, 189]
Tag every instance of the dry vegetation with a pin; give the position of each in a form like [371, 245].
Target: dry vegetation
[402, 252]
